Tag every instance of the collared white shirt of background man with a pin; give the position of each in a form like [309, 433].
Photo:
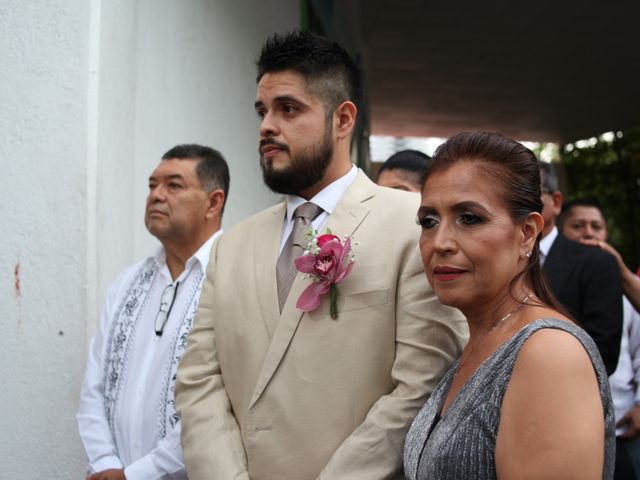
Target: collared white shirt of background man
[138, 408]
[546, 243]
[625, 381]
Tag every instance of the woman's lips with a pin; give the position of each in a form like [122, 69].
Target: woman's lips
[445, 274]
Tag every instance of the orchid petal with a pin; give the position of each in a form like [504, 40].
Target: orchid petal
[327, 237]
[305, 263]
[325, 266]
[345, 260]
[346, 247]
[343, 274]
[334, 247]
[310, 297]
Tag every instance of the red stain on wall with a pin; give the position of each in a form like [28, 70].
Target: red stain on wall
[16, 275]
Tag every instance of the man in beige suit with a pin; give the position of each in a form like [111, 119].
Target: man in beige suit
[266, 391]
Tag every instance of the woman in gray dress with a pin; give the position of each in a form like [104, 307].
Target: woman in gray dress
[528, 398]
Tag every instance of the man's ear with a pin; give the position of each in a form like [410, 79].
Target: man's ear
[216, 202]
[345, 119]
[531, 227]
[557, 203]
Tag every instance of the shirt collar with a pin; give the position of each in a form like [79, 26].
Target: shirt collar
[204, 252]
[328, 197]
[546, 242]
[201, 256]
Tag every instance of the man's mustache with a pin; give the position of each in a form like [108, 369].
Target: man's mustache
[271, 141]
[156, 206]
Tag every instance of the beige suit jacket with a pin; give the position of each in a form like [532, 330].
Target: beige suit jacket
[322, 398]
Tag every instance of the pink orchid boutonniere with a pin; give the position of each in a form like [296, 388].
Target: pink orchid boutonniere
[329, 261]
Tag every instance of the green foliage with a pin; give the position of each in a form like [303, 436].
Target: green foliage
[608, 169]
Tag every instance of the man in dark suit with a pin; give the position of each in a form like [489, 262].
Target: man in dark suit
[585, 280]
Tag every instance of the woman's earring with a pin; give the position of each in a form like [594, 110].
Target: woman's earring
[528, 254]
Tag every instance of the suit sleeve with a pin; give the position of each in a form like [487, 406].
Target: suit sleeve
[602, 306]
[429, 337]
[211, 439]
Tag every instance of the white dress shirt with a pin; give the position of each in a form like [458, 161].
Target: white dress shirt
[126, 417]
[327, 199]
[625, 381]
[546, 243]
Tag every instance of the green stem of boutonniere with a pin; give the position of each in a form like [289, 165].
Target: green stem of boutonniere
[333, 307]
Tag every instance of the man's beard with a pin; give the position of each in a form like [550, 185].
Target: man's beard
[304, 170]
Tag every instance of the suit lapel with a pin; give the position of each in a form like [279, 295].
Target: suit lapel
[264, 258]
[558, 264]
[344, 220]
[350, 211]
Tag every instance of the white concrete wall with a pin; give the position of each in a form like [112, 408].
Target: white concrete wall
[43, 200]
[93, 92]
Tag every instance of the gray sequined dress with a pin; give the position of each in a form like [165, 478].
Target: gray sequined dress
[462, 443]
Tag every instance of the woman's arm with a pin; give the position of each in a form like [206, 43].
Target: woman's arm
[552, 420]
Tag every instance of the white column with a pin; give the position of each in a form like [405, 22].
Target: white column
[92, 94]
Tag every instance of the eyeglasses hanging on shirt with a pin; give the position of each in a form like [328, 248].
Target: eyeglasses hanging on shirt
[166, 303]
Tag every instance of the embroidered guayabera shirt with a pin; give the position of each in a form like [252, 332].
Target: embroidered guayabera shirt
[127, 415]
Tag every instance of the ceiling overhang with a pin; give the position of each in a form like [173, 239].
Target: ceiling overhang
[542, 71]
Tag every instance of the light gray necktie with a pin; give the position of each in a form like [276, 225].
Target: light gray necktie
[295, 246]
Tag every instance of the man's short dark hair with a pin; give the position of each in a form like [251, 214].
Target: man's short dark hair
[577, 202]
[412, 161]
[212, 169]
[327, 68]
[581, 202]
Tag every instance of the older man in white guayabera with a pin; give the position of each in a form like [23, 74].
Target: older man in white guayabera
[127, 417]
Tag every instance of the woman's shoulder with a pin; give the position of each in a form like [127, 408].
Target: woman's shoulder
[557, 349]
[557, 378]
[556, 360]
[551, 344]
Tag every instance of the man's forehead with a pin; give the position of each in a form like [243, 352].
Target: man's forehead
[585, 211]
[400, 176]
[175, 168]
[279, 84]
